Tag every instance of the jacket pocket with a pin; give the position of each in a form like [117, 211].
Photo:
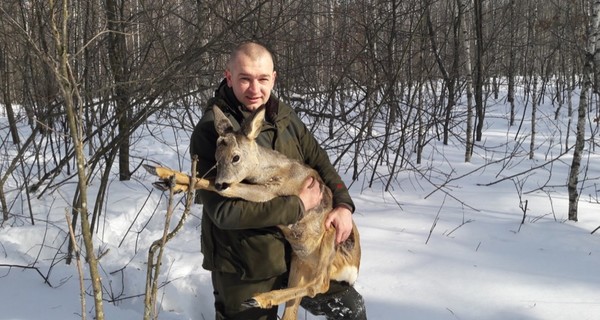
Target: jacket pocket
[262, 254]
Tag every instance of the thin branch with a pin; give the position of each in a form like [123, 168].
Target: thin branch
[78, 263]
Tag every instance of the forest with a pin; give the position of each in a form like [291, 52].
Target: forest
[379, 79]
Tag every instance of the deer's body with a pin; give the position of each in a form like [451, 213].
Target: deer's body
[248, 171]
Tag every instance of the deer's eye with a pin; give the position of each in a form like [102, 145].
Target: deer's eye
[235, 159]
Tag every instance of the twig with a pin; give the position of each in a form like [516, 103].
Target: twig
[152, 279]
[525, 171]
[78, 263]
[10, 266]
[460, 225]
[437, 218]
[524, 214]
[153, 270]
[135, 219]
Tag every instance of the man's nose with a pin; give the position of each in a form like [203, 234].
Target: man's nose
[253, 86]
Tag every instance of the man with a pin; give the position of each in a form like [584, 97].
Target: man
[244, 250]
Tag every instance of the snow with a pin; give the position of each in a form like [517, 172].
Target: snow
[457, 252]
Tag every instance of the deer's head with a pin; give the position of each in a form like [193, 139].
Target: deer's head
[237, 153]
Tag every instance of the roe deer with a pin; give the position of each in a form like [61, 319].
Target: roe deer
[266, 174]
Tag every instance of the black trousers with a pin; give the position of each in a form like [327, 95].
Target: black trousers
[341, 301]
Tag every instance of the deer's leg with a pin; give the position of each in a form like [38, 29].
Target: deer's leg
[166, 173]
[275, 297]
[182, 180]
[296, 279]
[310, 274]
[292, 293]
[249, 192]
[291, 296]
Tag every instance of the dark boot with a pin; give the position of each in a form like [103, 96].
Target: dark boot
[341, 302]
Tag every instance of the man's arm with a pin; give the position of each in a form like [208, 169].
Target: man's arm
[343, 206]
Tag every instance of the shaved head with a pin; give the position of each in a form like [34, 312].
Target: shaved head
[252, 50]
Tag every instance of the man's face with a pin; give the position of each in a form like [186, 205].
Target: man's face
[251, 79]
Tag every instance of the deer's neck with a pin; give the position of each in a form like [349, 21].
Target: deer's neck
[276, 169]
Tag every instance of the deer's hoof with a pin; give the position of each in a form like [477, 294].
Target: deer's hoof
[166, 185]
[151, 169]
[161, 185]
[250, 303]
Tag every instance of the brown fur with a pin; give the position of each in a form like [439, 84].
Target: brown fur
[267, 174]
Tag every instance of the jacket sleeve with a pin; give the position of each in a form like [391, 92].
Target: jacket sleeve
[317, 158]
[228, 213]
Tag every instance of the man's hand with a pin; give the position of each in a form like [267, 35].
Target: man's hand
[341, 219]
[311, 194]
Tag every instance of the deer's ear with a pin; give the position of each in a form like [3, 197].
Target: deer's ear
[253, 127]
[222, 124]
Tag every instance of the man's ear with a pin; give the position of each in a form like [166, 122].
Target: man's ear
[222, 124]
[253, 126]
[228, 77]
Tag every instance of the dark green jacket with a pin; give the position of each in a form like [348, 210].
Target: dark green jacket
[239, 236]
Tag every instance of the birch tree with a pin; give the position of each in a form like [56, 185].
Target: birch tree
[534, 76]
[590, 71]
[462, 4]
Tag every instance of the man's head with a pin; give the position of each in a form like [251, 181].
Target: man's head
[250, 73]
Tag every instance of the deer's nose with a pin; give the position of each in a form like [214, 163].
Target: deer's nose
[221, 186]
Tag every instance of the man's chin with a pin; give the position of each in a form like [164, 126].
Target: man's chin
[253, 106]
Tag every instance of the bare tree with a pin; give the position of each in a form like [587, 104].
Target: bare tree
[5, 87]
[590, 70]
[450, 75]
[510, 73]
[117, 53]
[532, 34]
[462, 4]
[68, 87]
[479, 76]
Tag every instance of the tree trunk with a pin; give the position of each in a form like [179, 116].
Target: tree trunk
[468, 79]
[117, 52]
[589, 69]
[6, 94]
[511, 65]
[532, 17]
[449, 78]
[68, 88]
[479, 108]
[534, 97]
[579, 140]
